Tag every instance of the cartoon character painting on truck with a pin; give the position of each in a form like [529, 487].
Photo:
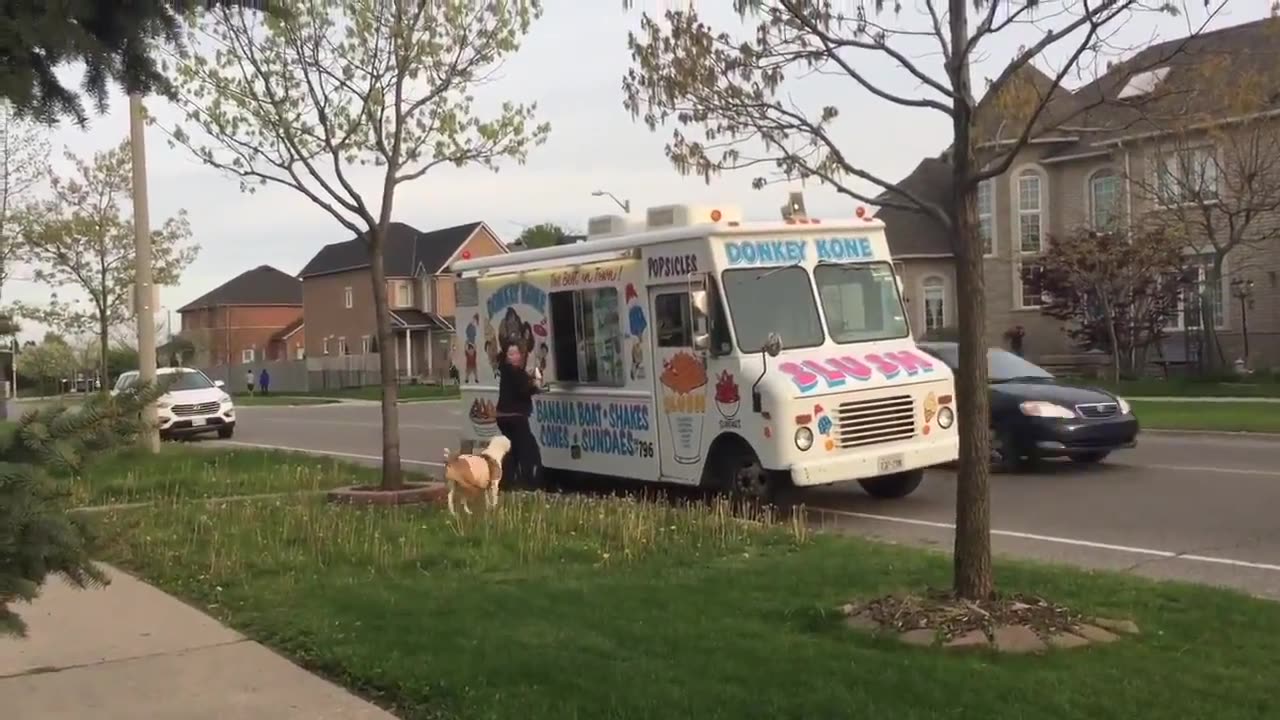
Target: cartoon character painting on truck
[701, 350]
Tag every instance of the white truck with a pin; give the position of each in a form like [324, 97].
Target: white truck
[703, 350]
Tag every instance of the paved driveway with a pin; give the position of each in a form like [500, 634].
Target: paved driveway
[1204, 508]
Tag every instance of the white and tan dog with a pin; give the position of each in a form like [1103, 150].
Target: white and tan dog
[475, 474]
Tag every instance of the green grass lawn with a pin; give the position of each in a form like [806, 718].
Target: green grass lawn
[1152, 387]
[407, 393]
[284, 400]
[1214, 416]
[189, 473]
[596, 608]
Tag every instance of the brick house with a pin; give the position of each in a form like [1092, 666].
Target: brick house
[1123, 155]
[337, 295]
[255, 316]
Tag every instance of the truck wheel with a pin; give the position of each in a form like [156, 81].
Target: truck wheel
[736, 471]
[892, 487]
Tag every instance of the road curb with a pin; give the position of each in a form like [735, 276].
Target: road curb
[1244, 434]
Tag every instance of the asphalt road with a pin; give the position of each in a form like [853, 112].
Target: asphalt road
[1201, 508]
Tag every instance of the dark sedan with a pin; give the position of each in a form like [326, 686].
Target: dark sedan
[1034, 415]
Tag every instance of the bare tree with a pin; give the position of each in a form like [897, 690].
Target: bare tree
[733, 88]
[24, 163]
[307, 96]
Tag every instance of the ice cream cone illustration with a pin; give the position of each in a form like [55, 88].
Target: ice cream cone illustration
[685, 403]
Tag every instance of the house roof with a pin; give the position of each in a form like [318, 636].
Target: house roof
[913, 234]
[406, 248]
[284, 332]
[415, 319]
[263, 285]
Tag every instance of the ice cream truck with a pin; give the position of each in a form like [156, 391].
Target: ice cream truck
[698, 349]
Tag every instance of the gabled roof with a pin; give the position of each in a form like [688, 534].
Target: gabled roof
[406, 249]
[914, 234]
[288, 330]
[415, 319]
[263, 285]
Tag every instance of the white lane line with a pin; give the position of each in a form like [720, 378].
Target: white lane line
[330, 453]
[1062, 541]
[1214, 470]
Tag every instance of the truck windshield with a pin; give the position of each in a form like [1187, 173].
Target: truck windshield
[778, 300]
[861, 302]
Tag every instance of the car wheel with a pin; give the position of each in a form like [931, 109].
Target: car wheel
[892, 487]
[1090, 458]
[1006, 455]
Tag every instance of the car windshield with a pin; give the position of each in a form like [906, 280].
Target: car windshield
[1002, 365]
[778, 300]
[861, 302]
[190, 380]
[126, 381]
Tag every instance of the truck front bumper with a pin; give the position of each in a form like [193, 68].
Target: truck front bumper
[872, 462]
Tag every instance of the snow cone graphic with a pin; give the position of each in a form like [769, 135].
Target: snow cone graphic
[727, 398]
[637, 324]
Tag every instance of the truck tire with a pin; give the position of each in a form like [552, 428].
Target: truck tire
[735, 471]
[892, 487]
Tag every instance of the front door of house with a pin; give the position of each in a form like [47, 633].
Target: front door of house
[680, 384]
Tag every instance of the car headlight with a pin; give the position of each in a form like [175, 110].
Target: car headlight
[1125, 409]
[946, 416]
[1040, 408]
[164, 404]
[804, 438]
[224, 398]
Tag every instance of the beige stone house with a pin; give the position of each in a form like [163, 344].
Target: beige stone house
[1159, 137]
[337, 295]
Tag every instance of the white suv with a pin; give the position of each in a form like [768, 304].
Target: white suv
[193, 404]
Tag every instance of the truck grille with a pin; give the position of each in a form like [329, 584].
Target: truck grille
[870, 422]
[1098, 410]
[208, 408]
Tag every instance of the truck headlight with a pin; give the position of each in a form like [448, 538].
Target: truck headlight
[946, 416]
[804, 438]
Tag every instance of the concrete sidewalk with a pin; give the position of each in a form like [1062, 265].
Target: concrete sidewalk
[1202, 399]
[130, 651]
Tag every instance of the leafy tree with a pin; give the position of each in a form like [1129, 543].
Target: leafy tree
[49, 362]
[305, 97]
[24, 163]
[1116, 292]
[543, 235]
[81, 238]
[732, 89]
[108, 37]
[39, 536]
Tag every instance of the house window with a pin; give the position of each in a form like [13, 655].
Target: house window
[342, 346]
[364, 345]
[1203, 288]
[428, 297]
[324, 350]
[403, 295]
[1030, 211]
[986, 216]
[1187, 176]
[935, 304]
[1027, 286]
[246, 355]
[1104, 199]
[347, 300]
[300, 352]
[587, 329]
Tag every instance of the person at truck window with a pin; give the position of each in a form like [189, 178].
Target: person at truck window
[516, 388]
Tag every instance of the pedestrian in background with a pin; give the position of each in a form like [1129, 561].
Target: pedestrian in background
[264, 381]
[522, 466]
[248, 379]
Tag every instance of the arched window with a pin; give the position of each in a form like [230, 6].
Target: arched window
[1104, 199]
[1030, 211]
[986, 216]
[935, 304]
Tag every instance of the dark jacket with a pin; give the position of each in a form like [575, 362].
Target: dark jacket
[515, 390]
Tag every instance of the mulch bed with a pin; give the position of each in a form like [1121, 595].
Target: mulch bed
[949, 616]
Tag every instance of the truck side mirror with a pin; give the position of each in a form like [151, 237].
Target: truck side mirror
[700, 302]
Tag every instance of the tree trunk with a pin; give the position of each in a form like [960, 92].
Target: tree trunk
[103, 351]
[973, 575]
[392, 478]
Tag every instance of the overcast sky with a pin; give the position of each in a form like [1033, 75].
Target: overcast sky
[571, 64]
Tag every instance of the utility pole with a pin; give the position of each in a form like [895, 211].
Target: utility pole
[144, 290]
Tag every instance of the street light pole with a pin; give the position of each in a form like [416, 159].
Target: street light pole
[1243, 290]
[624, 204]
[144, 291]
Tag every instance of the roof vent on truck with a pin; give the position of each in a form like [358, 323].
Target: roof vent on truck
[606, 225]
[665, 216]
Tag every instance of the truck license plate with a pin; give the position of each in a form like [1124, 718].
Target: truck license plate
[890, 463]
[199, 422]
